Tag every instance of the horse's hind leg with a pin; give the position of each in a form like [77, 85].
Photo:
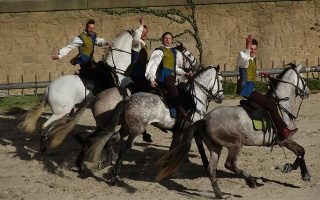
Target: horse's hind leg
[299, 162]
[44, 131]
[124, 149]
[231, 165]
[212, 170]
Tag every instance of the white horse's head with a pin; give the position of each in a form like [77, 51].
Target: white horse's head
[291, 83]
[210, 81]
[188, 60]
[120, 54]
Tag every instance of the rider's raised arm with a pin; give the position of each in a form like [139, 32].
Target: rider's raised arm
[65, 50]
[243, 59]
[153, 64]
[136, 42]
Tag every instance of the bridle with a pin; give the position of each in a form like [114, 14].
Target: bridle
[208, 92]
[298, 91]
[118, 70]
[191, 62]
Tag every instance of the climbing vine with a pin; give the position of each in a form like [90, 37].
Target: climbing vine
[171, 14]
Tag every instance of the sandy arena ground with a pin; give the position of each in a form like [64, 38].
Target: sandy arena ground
[26, 174]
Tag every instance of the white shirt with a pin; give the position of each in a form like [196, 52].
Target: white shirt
[243, 59]
[154, 62]
[77, 42]
[137, 42]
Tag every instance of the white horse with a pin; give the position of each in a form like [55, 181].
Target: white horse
[103, 103]
[231, 127]
[67, 91]
[138, 110]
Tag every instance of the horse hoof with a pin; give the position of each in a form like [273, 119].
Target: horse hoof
[251, 182]
[286, 168]
[306, 177]
[113, 181]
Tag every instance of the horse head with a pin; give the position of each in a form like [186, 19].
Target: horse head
[210, 81]
[119, 55]
[290, 82]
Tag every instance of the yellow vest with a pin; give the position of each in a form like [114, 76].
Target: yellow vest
[168, 58]
[251, 71]
[88, 45]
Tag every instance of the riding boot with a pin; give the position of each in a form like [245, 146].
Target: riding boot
[182, 112]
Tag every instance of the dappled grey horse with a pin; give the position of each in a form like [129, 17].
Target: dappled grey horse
[138, 110]
[106, 101]
[231, 127]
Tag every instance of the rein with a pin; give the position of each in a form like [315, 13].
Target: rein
[120, 71]
[208, 92]
[299, 92]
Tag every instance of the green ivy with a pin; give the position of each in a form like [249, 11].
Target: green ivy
[171, 14]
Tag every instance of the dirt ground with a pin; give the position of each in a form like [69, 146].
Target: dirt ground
[27, 174]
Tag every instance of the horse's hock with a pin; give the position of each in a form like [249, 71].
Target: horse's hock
[29, 39]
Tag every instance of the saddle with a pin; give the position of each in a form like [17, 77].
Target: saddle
[261, 119]
[98, 77]
[187, 103]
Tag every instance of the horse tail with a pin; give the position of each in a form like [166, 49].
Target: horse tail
[175, 156]
[30, 119]
[65, 125]
[98, 140]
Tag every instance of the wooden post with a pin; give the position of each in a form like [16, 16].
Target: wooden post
[318, 66]
[22, 90]
[50, 76]
[224, 69]
[36, 81]
[261, 68]
[62, 73]
[307, 64]
[283, 63]
[8, 82]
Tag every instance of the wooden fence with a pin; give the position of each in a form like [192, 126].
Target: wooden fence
[311, 72]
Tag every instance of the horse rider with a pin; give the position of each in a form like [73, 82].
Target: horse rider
[139, 59]
[163, 60]
[89, 70]
[246, 62]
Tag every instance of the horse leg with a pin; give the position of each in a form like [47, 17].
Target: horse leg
[44, 131]
[212, 171]
[110, 154]
[124, 149]
[230, 164]
[201, 150]
[299, 162]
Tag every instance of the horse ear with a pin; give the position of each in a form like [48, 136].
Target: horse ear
[218, 68]
[299, 67]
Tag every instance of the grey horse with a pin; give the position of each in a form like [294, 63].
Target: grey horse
[231, 127]
[104, 103]
[138, 110]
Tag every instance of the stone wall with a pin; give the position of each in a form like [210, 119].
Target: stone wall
[29, 39]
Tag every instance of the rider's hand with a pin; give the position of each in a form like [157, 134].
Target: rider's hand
[153, 84]
[248, 41]
[55, 57]
[109, 44]
[264, 74]
[141, 20]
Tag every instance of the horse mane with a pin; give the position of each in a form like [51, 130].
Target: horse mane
[202, 69]
[274, 83]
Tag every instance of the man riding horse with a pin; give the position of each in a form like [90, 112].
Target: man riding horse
[89, 70]
[246, 62]
[163, 61]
